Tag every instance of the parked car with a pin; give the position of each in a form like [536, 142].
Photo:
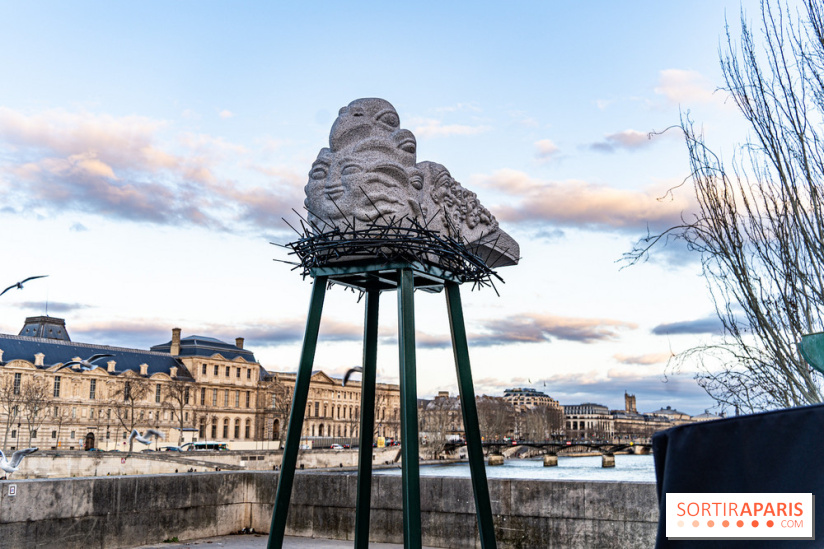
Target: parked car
[336, 447]
[171, 449]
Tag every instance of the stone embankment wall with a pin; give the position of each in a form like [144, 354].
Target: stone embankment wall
[61, 464]
[113, 512]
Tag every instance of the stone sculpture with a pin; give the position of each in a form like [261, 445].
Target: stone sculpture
[369, 174]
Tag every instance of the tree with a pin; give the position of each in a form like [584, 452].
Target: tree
[496, 417]
[36, 400]
[10, 403]
[438, 419]
[127, 403]
[178, 395]
[760, 224]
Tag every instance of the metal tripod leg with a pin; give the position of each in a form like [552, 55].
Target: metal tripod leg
[290, 452]
[409, 412]
[483, 507]
[367, 419]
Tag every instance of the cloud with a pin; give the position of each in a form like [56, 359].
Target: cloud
[429, 127]
[545, 150]
[53, 306]
[684, 86]
[122, 168]
[708, 325]
[583, 204]
[627, 139]
[643, 360]
[537, 328]
[226, 114]
[78, 227]
[131, 335]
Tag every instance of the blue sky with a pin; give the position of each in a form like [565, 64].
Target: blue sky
[148, 152]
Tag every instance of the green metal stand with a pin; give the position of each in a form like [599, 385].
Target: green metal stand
[372, 278]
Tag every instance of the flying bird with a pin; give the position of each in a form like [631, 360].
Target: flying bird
[19, 285]
[145, 438]
[85, 365]
[13, 465]
[350, 372]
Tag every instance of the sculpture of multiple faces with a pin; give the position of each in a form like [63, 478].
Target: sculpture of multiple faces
[369, 173]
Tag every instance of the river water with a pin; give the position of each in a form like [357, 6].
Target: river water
[628, 468]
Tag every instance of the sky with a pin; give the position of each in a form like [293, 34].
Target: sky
[152, 152]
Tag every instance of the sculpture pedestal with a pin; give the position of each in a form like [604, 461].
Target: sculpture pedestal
[373, 277]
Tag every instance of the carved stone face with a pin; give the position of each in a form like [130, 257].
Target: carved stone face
[369, 170]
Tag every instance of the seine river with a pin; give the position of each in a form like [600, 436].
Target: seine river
[628, 468]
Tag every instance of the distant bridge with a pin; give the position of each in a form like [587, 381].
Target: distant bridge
[553, 447]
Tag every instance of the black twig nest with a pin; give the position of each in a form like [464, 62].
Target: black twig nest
[388, 240]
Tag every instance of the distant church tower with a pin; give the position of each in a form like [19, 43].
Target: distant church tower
[629, 403]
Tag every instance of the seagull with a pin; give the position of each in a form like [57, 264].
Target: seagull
[12, 466]
[350, 372]
[146, 438]
[85, 365]
[19, 285]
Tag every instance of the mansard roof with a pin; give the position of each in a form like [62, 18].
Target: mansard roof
[206, 347]
[59, 351]
[48, 327]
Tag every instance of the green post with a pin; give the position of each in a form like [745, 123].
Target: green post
[290, 452]
[474, 447]
[409, 412]
[367, 419]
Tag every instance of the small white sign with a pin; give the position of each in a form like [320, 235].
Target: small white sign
[122, 460]
[12, 490]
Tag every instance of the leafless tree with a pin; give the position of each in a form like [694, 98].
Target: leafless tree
[127, 402]
[10, 403]
[496, 417]
[279, 407]
[439, 421]
[541, 422]
[36, 399]
[760, 223]
[178, 398]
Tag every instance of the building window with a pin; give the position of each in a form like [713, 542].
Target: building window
[248, 429]
[237, 429]
[34, 434]
[108, 435]
[203, 397]
[54, 434]
[71, 435]
[216, 369]
[186, 396]
[214, 430]
[226, 398]
[228, 369]
[226, 428]
[238, 373]
[202, 432]
[56, 386]
[317, 409]
[214, 397]
[248, 399]
[127, 390]
[14, 433]
[17, 379]
[56, 411]
[91, 413]
[157, 393]
[237, 399]
[92, 389]
[204, 369]
[248, 373]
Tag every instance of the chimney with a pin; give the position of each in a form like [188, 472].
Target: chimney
[239, 342]
[38, 359]
[144, 369]
[110, 366]
[173, 371]
[175, 350]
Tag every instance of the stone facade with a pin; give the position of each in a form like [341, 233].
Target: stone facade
[193, 388]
